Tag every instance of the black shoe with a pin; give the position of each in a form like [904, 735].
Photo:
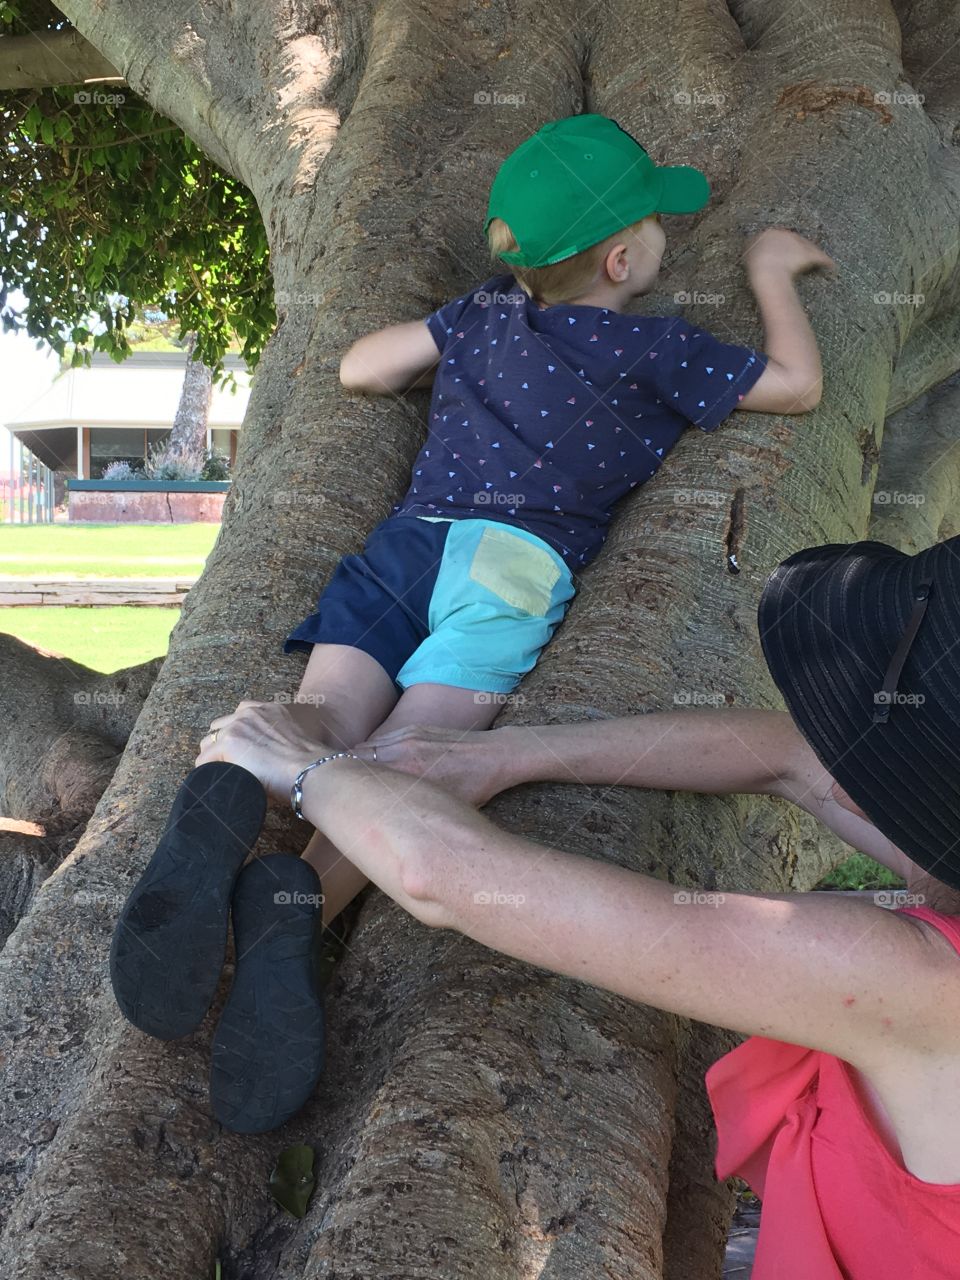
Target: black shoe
[268, 1047]
[169, 944]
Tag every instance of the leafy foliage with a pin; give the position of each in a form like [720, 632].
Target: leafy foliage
[107, 208]
[216, 467]
[860, 872]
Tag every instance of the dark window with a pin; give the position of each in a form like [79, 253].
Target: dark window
[121, 444]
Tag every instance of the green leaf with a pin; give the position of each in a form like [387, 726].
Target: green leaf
[32, 121]
[46, 130]
[292, 1181]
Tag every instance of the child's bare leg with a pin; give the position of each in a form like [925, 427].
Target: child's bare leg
[435, 704]
[352, 695]
[350, 690]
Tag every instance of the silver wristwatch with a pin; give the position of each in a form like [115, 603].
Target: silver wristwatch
[296, 791]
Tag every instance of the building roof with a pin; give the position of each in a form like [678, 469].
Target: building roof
[142, 391]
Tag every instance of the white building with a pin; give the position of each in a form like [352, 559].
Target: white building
[91, 417]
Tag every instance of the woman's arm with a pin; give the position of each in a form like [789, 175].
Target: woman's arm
[716, 751]
[721, 751]
[838, 975]
[847, 977]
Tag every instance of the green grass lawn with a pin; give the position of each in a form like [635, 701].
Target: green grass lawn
[106, 639]
[106, 550]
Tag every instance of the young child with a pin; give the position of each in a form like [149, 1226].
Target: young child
[549, 405]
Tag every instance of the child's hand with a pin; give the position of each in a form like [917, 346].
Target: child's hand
[273, 740]
[785, 250]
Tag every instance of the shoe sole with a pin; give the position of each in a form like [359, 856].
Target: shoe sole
[268, 1046]
[170, 941]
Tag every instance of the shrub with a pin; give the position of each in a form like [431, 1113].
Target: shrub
[165, 463]
[120, 470]
[216, 467]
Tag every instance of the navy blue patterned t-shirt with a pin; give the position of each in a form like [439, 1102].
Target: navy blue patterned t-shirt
[545, 417]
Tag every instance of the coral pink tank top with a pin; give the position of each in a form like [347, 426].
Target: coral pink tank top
[836, 1204]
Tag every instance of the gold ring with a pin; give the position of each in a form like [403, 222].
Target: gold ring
[215, 732]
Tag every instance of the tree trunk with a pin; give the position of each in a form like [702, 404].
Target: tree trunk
[478, 1117]
[188, 434]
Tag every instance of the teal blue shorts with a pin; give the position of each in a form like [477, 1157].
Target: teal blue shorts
[468, 603]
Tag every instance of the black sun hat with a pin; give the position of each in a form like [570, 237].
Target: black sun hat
[863, 641]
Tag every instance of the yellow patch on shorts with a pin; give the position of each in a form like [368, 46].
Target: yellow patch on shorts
[519, 572]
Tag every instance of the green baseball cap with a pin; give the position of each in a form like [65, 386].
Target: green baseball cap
[580, 179]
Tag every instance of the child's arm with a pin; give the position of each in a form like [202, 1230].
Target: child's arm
[391, 360]
[792, 382]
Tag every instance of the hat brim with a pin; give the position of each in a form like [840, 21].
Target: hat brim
[683, 190]
[830, 619]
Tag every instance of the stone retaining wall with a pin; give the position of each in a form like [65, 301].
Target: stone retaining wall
[145, 507]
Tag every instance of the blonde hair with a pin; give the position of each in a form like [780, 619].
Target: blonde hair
[560, 281]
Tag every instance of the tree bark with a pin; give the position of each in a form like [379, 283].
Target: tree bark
[68, 727]
[188, 435]
[478, 1117]
[45, 59]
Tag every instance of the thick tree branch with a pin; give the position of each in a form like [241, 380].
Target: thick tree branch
[69, 725]
[916, 499]
[250, 84]
[46, 59]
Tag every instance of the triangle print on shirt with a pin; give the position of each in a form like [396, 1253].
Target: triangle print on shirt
[546, 417]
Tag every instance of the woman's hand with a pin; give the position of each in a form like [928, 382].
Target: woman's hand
[274, 740]
[470, 764]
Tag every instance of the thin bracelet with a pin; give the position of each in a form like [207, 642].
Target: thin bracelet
[296, 791]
